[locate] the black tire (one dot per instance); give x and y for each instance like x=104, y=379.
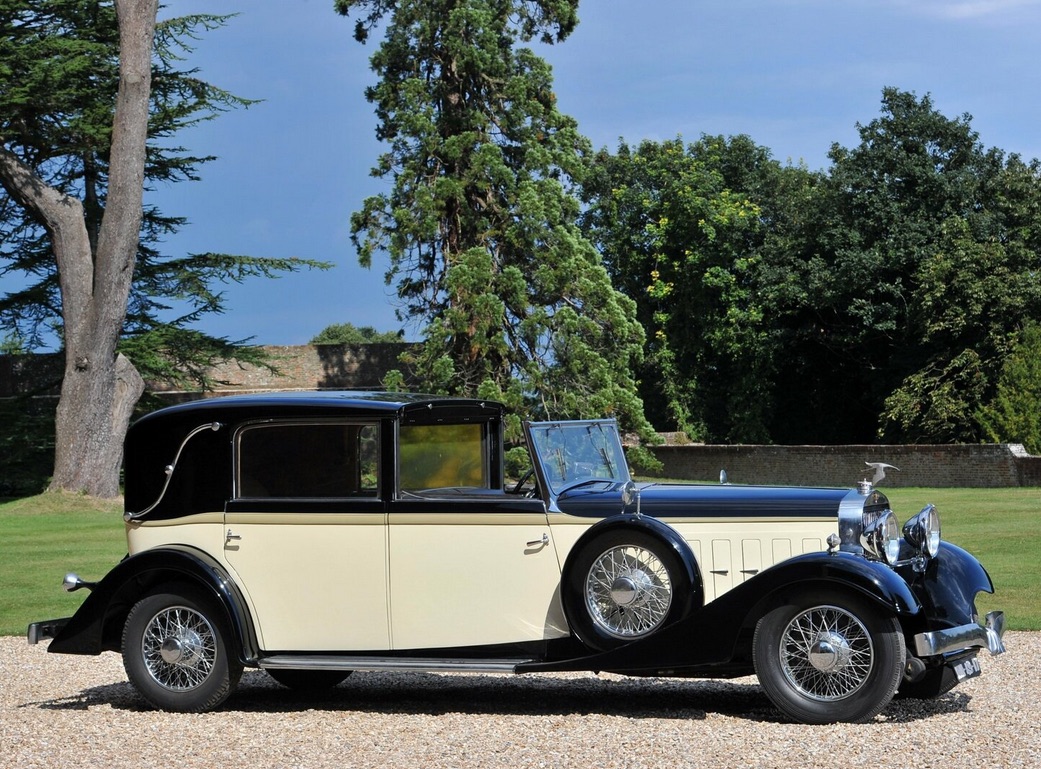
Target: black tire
x=828, y=657
x=308, y=680
x=176, y=651
x=624, y=586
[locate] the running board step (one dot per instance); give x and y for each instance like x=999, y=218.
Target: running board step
x=413, y=664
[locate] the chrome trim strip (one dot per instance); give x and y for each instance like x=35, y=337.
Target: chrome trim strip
x=413, y=664
x=129, y=516
x=965, y=637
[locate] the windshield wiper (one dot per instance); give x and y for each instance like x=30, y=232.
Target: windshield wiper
x=586, y=482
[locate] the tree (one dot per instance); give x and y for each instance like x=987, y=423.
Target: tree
x=480, y=226
x=100, y=387
x=920, y=264
x=682, y=228
x=85, y=113
x=348, y=333
x=1014, y=414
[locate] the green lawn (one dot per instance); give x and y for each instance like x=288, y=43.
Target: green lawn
x=43, y=537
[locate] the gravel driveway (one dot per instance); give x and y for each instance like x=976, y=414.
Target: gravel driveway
x=63, y=711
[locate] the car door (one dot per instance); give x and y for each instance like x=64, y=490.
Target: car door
x=306, y=537
x=470, y=565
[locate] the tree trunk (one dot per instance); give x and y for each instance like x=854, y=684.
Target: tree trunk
x=100, y=387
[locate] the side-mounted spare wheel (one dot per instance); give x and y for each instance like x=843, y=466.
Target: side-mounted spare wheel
x=623, y=585
x=177, y=650
x=826, y=657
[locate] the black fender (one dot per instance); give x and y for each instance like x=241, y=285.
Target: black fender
x=97, y=625
x=948, y=588
x=657, y=529
x=716, y=634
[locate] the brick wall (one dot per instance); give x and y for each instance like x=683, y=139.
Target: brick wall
x=299, y=367
x=305, y=367
x=362, y=367
x=960, y=465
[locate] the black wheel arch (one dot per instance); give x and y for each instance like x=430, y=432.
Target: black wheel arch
x=655, y=528
x=97, y=625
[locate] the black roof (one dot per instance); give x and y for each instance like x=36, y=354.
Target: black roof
x=315, y=403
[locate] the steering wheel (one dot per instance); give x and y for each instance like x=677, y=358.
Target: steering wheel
x=524, y=479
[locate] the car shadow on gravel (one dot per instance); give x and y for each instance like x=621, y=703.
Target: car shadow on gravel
x=433, y=694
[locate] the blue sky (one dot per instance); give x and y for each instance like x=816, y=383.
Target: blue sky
x=795, y=75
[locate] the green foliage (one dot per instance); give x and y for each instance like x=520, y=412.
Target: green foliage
x=935, y=404
x=26, y=446
x=480, y=225
x=931, y=266
x=1014, y=414
x=348, y=333
x=58, y=80
x=682, y=229
x=877, y=300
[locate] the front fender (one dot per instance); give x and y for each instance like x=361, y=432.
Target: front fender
x=948, y=588
x=97, y=625
x=718, y=633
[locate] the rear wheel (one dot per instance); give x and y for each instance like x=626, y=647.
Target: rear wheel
x=176, y=651
x=823, y=658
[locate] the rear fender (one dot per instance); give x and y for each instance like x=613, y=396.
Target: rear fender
x=97, y=625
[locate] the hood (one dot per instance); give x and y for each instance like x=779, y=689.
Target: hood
x=690, y=500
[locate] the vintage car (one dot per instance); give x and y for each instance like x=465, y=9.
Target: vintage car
x=315, y=534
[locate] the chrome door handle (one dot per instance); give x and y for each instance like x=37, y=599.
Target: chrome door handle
x=230, y=536
x=536, y=542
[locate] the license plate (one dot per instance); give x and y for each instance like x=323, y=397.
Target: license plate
x=969, y=668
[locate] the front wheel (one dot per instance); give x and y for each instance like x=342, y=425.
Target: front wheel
x=176, y=651
x=824, y=658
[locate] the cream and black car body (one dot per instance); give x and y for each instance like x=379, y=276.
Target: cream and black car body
x=315, y=534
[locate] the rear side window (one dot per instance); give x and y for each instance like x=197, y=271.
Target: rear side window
x=307, y=461
x=443, y=456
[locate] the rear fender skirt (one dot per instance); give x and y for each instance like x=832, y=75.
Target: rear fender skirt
x=654, y=527
x=709, y=636
x=97, y=625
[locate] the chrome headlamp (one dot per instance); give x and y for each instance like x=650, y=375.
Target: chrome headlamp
x=881, y=538
x=922, y=532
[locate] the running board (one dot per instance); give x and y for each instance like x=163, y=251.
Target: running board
x=413, y=664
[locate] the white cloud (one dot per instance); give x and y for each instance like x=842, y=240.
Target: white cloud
x=958, y=10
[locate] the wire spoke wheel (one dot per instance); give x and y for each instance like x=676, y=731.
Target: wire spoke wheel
x=628, y=592
x=179, y=648
x=828, y=656
x=826, y=653
x=178, y=651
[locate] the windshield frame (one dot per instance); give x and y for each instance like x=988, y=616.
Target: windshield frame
x=573, y=453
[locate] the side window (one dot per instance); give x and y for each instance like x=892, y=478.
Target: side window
x=307, y=460
x=442, y=456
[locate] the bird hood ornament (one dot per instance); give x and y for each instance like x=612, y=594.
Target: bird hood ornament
x=880, y=468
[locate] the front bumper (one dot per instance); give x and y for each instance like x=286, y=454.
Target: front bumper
x=965, y=637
